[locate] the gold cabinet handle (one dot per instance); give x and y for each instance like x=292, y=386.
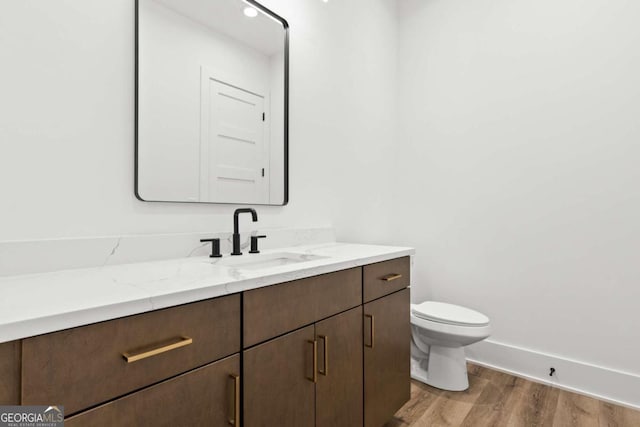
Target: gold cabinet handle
x=325, y=342
x=234, y=401
x=373, y=331
x=391, y=277
x=314, y=377
x=135, y=356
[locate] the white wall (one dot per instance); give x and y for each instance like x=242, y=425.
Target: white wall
x=520, y=168
x=66, y=121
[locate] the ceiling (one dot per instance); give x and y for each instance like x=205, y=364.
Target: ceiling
x=263, y=33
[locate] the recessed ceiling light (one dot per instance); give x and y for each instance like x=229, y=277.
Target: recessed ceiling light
x=251, y=12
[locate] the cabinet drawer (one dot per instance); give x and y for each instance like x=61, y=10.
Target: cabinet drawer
x=10, y=373
x=277, y=309
x=85, y=366
x=203, y=397
x=384, y=278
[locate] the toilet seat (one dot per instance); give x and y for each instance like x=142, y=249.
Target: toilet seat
x=449, y=314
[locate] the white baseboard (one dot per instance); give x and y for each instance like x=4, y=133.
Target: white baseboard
x=620, y=388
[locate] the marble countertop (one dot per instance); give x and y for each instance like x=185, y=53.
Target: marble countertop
x=40, y=303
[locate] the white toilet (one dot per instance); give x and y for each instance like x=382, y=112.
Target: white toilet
x=440, y=332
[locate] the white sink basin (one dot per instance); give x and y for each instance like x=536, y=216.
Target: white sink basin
x=269, y=260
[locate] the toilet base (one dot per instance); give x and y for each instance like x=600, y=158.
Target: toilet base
x=446, y=368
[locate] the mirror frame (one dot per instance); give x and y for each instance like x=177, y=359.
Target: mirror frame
x=285, y=26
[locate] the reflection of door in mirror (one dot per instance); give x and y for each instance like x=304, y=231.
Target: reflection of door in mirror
x=211, y=98
x=234, y=151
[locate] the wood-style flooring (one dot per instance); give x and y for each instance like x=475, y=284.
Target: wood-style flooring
x=498, y=399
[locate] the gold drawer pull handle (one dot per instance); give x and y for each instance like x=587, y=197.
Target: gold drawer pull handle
x=234, y=401
x=314, y=377
x=373, y=331
x=325, y=342
x=391, y=277
x=134, y=357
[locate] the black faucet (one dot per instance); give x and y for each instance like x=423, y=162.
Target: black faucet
x=236, y=231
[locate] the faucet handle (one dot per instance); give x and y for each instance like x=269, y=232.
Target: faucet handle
x=215, y=247
x=254, y=244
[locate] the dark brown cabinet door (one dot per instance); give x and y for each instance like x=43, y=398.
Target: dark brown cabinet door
x=339, y=387
x=10, y=373
x=278, y=381
x=387, y=340
x=203, y=397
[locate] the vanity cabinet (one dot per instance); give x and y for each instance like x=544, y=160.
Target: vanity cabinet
x=10, y=373
x=331, y=350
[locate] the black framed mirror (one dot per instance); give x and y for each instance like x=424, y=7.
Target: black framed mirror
x=212, y=101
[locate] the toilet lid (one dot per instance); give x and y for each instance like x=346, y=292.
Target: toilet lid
x=449, y=313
